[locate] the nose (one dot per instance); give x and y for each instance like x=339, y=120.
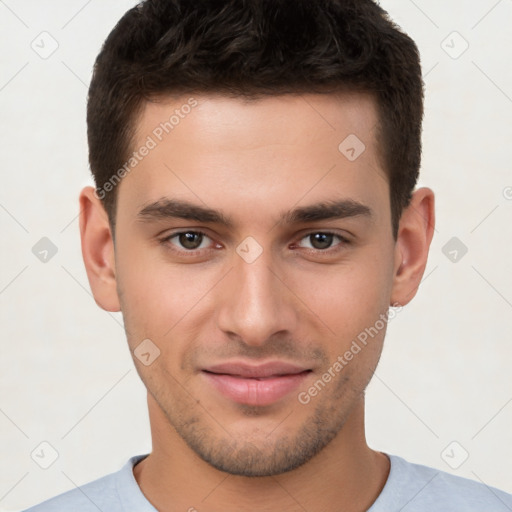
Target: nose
x=255, y=302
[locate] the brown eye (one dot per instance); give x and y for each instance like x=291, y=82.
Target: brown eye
x=187, y=241
x=321, y=240
x=190, y=239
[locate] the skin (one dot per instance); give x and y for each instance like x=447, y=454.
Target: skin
x=298, y=302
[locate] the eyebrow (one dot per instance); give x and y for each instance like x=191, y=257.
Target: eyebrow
x=179, y=209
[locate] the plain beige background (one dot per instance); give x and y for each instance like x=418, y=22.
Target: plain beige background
x=443, y=389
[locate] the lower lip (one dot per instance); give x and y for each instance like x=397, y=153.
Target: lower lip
x=253, y=391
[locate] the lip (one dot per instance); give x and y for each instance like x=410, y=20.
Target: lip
x=258, y=385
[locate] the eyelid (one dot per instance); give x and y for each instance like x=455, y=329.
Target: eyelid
x=167, y=240
x=344, y=240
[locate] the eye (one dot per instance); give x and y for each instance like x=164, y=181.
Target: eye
x=322, y=240
x=188, y=240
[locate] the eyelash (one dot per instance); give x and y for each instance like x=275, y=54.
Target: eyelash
x=195, y=252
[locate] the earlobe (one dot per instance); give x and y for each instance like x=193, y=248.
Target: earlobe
x=415, y=234
x=98, y=250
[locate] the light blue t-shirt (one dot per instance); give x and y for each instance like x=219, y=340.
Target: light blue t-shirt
x=409, y=488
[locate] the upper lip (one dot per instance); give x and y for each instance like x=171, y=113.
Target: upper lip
x=269, y=369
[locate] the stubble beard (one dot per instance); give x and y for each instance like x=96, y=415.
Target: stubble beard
x=270, y=454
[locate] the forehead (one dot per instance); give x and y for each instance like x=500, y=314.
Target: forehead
x=267, y=120
x=275, y=150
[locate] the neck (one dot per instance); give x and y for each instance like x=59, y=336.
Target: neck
x=346, y=475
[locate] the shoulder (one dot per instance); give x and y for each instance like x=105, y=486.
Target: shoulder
x=417, y=488
x=88, y=497
x=106, y=493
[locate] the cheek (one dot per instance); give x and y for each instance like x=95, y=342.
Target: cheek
x=142, y=287
x=162, y=302
x=348, y=296
x=149, y=286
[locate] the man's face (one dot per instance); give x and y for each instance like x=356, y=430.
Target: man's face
x=249, y=315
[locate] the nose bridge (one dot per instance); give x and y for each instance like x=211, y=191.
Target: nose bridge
x=255, y=304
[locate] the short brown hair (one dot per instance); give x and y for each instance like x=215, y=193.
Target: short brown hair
x=252, y=48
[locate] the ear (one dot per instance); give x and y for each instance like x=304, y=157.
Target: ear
x=415, y=233
x=98, y=250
